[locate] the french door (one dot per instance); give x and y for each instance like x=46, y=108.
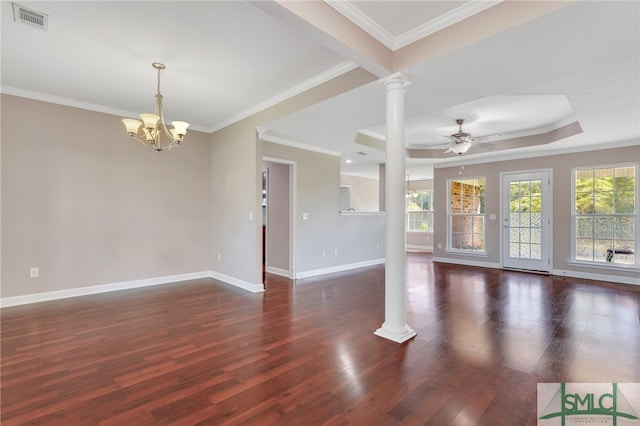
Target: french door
x=526, y=221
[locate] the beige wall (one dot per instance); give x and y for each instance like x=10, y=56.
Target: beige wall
x=561, y=166
x=317, y=181
x=364, y=192
x=236, y=180
x=236, y=183
x=89, y=206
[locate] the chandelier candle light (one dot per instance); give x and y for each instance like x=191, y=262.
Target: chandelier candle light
x=155, y=133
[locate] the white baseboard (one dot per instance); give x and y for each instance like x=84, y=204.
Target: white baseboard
x=278, y=271
x=596, y=277
x=103, y=288
x=246, y=285
x=125, y=285
x=339, y=268
x=467, y=262
x=413, y=247
x=555, y=272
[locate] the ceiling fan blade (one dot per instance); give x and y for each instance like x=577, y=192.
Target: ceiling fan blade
x=485, y=146
x=429, y=145
x=489, y=138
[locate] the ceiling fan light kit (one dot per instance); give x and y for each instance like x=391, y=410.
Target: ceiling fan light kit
x=155, y=133
x=459, y=148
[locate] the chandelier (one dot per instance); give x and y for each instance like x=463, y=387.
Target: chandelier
x=155, y=133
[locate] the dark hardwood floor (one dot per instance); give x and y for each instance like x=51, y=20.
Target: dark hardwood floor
x=202, y=352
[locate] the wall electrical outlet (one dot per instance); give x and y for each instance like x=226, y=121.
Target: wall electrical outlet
x=324, y=254
x=34, y=272
x=219, y=257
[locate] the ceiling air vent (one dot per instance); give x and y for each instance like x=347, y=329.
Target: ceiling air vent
x=30, y=17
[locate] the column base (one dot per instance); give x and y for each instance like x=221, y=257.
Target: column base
x=394, y=333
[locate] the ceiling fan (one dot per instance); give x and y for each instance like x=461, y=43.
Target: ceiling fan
x=462, y=141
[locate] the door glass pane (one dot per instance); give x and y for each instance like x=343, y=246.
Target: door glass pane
x=536, y=220
x=514, y=219
x=536, y=251
x=536, y=236
x=525, y=219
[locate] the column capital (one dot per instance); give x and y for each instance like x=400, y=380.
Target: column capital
x=395, y=79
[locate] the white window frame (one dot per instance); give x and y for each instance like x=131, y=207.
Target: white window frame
x=636, y=214
x=429, y=192
x=450, y=216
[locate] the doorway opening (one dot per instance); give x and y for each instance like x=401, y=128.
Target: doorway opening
x=278, y=251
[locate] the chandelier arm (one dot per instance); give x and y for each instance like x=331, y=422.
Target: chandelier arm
x=160, y=113
x=142, y=139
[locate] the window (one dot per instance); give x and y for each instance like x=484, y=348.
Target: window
x=466, y=213
x=604, y=214
x=420, y=212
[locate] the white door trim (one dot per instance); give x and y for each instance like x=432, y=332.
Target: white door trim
x=292, y=210
x=547, y=217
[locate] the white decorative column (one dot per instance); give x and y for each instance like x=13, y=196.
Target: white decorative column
x=395, y=320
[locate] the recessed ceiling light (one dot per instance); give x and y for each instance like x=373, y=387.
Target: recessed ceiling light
x=348, y=161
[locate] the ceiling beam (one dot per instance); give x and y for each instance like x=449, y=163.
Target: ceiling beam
x=323, y=23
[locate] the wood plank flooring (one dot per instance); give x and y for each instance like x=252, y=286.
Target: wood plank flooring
x=203, y=352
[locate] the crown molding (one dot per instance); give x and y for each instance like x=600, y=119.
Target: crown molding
x=296, y=90
x=63, y=101
x=452, y=17
x=373, y=134
x=37, y=96
x=534, y=154
x=458, y=14
x=270, y=137
x=287, y=94
x=355, y=15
